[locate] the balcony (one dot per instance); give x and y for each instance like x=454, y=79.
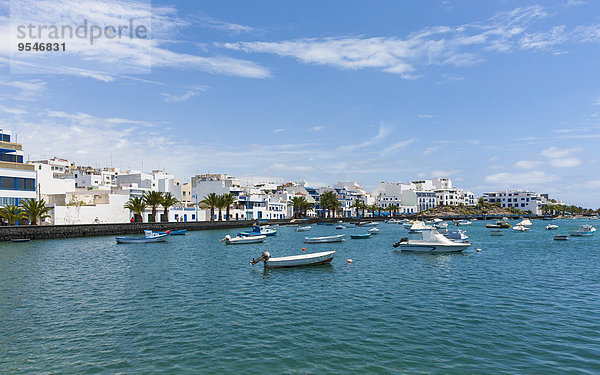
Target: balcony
x=11, y=146
x=16, y=166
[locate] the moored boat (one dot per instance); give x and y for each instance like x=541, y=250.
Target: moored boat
x=20, y=240
x=148, y=238
x=367, y=224
x=179, y=232
x=500, y=224
x=313, y=259
x=240, y=240
x=431, y=242
x=360, y=236
x=462, y=222
x=373, y=231
x=525, y=223
x=340, y=227
x=325, y=239
x=442, y=225
x=583, y=230
x=561, y=237
x=520, y=228
x=551, y=226
x=456, y=235
x=259, y=231
x=303, y=229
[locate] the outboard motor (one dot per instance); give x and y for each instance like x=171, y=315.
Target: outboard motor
x=227, y=237
x=265, y=256
x=402, y=240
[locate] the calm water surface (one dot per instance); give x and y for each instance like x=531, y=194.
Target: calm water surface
x=524, y=304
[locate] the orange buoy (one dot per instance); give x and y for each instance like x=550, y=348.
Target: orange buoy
x=168, y=232
x=303, y=249
x=349, y=261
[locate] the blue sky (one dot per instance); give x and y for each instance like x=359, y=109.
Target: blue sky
x=493, y=94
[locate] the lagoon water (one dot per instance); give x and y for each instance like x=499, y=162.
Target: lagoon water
x=524, y=304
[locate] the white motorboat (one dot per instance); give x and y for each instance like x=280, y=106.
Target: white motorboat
x=313, y=259
x=561, y=237
x=303, y=229
x=462, y=222
x=520, y=228
x=419, y=226
x=525, y=223
x=583, y=231
x=367, y=224
x=432, y=242
x=373, y=231
x=456, y=235
x=326, y=239
x=551, y=226
x=239, y=240
x=259, y=231
x=442, y=225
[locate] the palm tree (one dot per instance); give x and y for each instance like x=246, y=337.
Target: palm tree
x=220, y=205
x=228, y=200
x=335, y=206
x=153, y=199
x=12, y=213
x=137, y=205
x=35, y=210
x=168, y=201
x=328, y=200
x=211, y=200
x=393, y=210
x=299, y=204
x=357, y=205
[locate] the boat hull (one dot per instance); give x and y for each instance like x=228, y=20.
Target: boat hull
x=331, y=239
x=300, y=260
x=130, y=240
x=416, y=248
x=245, y=240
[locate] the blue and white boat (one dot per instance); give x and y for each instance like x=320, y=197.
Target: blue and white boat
x=360, y=236
x=583, y=231
x=431, y=242
x=148, y=238
x=259, y=231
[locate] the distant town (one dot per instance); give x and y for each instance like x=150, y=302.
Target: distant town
x=75, y=194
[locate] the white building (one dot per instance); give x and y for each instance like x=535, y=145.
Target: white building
x=54, y=176
x=88, y=207
x=17, y=180
x=523, y=200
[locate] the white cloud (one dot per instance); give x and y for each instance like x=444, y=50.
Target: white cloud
x=279, y=130
x=213, y=23
x=444, y=173
x=27, y=90
x=555, y=152
x=527, y=164
x=528, y=178
x=288, y=168
x=190, y=93
x=430, y=150
x=420, y=115
x=397, y=146
x=382, y=133
x=565, y=163
x=457, y=46
x=317, y=128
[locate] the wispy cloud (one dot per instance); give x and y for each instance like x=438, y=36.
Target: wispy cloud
x=443, y=173
x=188, y=94
x=529, y=178
x=382, y=133
x=26, y=90
x=205, y=20
x=457, y=46
x=317, y=128
x=555, y=152
x=279, y=130
x=431, y=149
x=398, y=146
x=527, y=164
x=565, y=163
x=424, y=115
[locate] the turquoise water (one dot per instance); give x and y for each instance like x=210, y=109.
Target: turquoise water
x=524, y=304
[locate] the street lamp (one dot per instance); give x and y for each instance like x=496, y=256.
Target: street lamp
x=196, y=196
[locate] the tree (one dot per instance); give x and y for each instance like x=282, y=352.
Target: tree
x=168, y=201
x=228, y=200
x=153, y=199
x=335, y=206
x=12, y=213
x=137, y=205
x=299, y=204
x=220, y=206
x=357, y=205
x=211, y=200
x=327, y=201
x=35, y=210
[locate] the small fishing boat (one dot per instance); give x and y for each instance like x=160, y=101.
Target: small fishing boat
x=326, y=239
x=456, y=235
x=360, y=236
x=148, y=238
x=240, y=240
x=367, y=224
x=520, y=228
x=497, y=232
x=525, y=223
x=20, y=240
x=313, y=259
x=373, y=231
x=561, y=237
x=259, y=231
x=179, y=232
x=462, y=222
x=593, y=217
x=551, y=226
x=392, y=221
x=303, y=229
x=583, y=231
x=340, y=227
x=500, y=224
x=431, y=242
x=441, y=225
